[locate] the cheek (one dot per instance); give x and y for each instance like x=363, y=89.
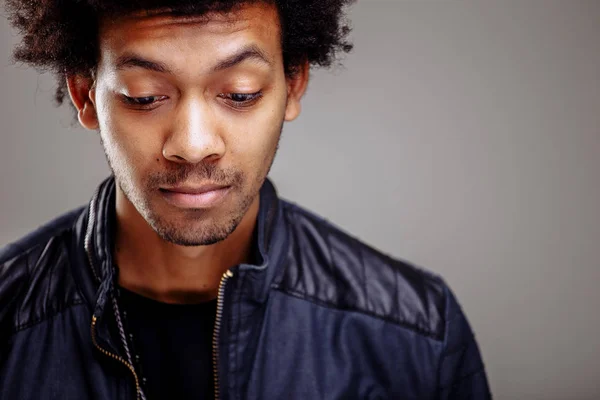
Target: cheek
x=255, y=134
x=252, y=141
x=129, y=134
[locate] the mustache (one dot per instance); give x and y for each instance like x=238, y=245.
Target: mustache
x=177, y=174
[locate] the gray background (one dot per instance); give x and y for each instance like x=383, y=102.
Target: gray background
x=462, y=136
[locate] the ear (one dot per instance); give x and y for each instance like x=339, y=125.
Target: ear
x=296, y=87
x=83, y=93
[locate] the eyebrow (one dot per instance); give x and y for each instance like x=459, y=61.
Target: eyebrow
x=250, y=52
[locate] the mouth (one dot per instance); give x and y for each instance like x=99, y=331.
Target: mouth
x=195, y=196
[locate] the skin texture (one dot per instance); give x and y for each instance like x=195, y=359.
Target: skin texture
x=197, y=120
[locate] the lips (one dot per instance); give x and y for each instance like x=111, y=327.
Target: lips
x=194, y=189
x=195, y=197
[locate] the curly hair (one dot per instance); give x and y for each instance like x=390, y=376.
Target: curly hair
x=61, y=36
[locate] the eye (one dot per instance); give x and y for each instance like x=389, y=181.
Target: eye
x=241, y=100
x=143, y=102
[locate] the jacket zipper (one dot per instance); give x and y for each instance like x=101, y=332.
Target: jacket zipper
x=87, y=243
x=116, y=357
x=217, y=330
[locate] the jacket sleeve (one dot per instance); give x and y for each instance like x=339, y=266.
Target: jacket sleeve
x=462, y=373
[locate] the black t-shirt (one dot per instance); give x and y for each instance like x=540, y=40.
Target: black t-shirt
x=171, y=346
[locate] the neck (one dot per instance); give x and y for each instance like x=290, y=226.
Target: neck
x=163, y=271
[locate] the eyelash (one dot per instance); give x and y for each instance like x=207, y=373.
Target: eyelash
x=149, y=102
x=143, y=103
x=249, y=99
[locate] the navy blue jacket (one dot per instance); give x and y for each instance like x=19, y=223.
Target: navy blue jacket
x=320, y=316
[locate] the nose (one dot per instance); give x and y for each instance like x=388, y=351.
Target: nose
x=195, y=136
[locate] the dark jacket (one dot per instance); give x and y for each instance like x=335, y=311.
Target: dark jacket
x=321, y=316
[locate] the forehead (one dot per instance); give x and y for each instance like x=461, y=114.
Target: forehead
x=203, y=37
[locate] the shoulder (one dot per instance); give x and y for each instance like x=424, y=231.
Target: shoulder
x=333, y=268
x=32, y=273
x=40, y=236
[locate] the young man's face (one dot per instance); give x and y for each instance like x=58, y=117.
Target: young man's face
x=190, y=113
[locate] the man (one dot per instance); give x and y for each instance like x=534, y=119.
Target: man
x=186, y=277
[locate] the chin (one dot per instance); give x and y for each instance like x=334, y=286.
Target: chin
x=194, y=237
x=199, y=230
x=192, y=241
